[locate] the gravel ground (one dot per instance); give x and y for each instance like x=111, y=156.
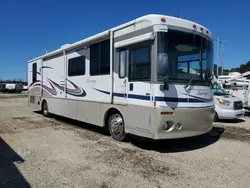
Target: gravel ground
x=57, y=152
x=13, y=95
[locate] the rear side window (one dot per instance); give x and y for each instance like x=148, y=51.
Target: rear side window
x=34, y=72
x=76, y=66
x=100, y=58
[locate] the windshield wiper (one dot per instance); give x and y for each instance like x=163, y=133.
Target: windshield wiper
x=190, y=81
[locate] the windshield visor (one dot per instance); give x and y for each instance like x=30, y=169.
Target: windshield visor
x=182, y=56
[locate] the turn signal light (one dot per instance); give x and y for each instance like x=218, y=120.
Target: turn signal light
x=167, y=113
x=163, y=19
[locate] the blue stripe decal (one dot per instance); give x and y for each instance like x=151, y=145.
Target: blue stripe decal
x=83, y=94
x=119, y=94
x=47, y=67
x=141, y=97
x=173, y=99
x=131, y=96
x=157, y=98
x=196, y=100
x=106, y=92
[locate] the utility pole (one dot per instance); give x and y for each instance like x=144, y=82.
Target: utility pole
x=217, y=56
x=178, y=12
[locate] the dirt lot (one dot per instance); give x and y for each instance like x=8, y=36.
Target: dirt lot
x=56, y=152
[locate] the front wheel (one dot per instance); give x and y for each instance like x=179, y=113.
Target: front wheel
x=45, y=109
x=216, y=117
x=117, y=127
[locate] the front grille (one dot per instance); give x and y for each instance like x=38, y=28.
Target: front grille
x=238, y=105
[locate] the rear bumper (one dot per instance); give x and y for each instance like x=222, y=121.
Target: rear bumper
x=230, y=114
x=194, y=121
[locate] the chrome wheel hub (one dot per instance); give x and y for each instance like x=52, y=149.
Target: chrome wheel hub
x=116, y=124
x=45, y=109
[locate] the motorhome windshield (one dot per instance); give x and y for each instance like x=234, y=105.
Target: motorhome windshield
x=182, y=56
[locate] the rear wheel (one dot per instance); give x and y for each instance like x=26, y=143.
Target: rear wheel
x=116, y=127
x=45, y=109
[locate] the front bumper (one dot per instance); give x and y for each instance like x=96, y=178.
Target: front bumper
x=230, y=114
x=194, y=121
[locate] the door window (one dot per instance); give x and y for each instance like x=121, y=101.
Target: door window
x=34, y=72
x=139, y=65
x=122, y=64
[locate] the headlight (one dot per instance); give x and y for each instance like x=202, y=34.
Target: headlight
x=224, y=102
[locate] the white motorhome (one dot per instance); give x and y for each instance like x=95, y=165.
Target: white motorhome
x=149, y=77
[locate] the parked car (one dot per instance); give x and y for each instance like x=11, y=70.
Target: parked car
x=227, y=106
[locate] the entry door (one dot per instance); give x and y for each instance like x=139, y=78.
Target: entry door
x=139, y=88
x=120, y=93
x=139, y=73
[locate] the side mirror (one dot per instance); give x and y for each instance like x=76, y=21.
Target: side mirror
x=164, y=86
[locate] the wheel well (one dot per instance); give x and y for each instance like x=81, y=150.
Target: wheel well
x=108, y=113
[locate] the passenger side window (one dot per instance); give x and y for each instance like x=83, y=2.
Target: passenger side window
x=76, y=66
x=139, y=65
x=34, y=72
x=122, y=64
x=100, y=58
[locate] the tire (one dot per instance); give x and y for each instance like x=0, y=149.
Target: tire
x=216, y=117
x=116, y=127
x=45, y=109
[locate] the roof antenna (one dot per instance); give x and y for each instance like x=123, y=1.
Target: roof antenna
x=178, y=12
x=46, y=50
